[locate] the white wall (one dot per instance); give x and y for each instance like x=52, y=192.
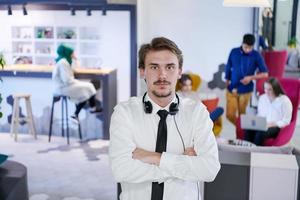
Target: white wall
x=205, y=30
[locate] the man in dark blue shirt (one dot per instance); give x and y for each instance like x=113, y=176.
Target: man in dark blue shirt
x=241, y=68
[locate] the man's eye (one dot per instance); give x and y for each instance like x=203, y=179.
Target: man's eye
x=170, y=67
x=153, y=67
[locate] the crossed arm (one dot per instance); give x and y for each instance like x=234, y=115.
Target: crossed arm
x=132, y=164
x=154, y=157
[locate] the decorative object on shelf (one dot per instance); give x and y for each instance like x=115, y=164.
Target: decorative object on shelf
x=69, y=34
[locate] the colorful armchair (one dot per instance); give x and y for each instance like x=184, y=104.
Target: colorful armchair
x=292, y=89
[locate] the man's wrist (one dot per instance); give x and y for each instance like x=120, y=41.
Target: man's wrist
x=156, y=158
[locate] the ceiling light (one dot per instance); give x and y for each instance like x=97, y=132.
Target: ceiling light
x=9, y=11
x=246, y=3
x=88, y=12
x=104, y=11
x=73, y=11
x=24, y=10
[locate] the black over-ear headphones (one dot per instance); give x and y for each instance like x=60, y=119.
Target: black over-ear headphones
x=172, y=110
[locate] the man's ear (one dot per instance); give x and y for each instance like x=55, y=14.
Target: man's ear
x=142, y=73
x=179, y=73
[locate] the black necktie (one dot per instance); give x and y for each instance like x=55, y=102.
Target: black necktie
x=161, y=146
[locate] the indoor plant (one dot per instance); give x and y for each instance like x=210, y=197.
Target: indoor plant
x=2, y=63
x=292, y=43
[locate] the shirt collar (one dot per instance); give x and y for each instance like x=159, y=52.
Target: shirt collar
x=156, y=107
x=243, y=53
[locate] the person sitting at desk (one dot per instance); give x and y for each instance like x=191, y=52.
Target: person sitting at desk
x=276, y=107
x=80, y=92
x=185, y=83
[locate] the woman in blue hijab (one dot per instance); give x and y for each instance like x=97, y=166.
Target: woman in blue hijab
x=80, y=92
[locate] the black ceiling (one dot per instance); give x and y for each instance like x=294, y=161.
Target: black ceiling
x=55, y=2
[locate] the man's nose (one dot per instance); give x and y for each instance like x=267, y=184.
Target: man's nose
x=162, y=72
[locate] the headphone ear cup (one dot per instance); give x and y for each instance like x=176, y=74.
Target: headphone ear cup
x=147, y=107
x=173, y=108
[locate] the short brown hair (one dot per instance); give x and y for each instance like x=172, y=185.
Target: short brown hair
x=157, y=44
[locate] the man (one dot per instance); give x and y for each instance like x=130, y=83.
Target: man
x=243, y=62
x=160, y=144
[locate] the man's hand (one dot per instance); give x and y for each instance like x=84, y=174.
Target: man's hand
x=227, y=83
x=146, y=156
x=190, y=152
x=246, y=80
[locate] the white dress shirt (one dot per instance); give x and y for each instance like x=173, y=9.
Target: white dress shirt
x=131, y=127
x=278, y=111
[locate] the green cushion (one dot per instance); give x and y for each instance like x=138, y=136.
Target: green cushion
x=2, y=158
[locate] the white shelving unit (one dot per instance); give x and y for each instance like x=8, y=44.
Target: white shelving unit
x=38, y=44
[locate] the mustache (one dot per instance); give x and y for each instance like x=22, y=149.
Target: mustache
x=162, y=82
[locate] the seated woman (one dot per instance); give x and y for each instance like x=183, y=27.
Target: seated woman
x=80, y=92
x=185, y=83
x=276, y=107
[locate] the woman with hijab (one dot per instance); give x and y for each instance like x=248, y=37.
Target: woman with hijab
x=80, y=92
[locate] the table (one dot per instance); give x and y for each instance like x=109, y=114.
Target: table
x=13, y=181
x=108, y=78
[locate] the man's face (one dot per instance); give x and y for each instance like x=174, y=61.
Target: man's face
x=187, y=86
x=247, y=48
x=161, y=73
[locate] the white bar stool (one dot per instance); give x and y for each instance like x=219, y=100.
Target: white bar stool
x=16, y=118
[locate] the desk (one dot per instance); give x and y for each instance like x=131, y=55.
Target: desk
x=13, y=181
x=108, y=78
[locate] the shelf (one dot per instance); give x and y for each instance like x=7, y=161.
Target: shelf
x=40, y=43
x=89, y=33
x=22, y=54
x=44, y=32
x=66, y=40
x=89, y=41
x=44, y=55
x=43, y=40
x=88, y=56
x=22, y=32
x=21, y=40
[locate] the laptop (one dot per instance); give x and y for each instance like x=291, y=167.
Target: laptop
x=253, y=122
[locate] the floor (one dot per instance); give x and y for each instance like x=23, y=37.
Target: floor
x=57, y=171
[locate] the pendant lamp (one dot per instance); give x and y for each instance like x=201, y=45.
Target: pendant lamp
x=246, y=3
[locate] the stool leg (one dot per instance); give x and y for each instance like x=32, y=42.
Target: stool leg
x=79, y=131
x=51, y=121
x=67, y=121
x=30, y=117
x=15, y=120
x=62, y=117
